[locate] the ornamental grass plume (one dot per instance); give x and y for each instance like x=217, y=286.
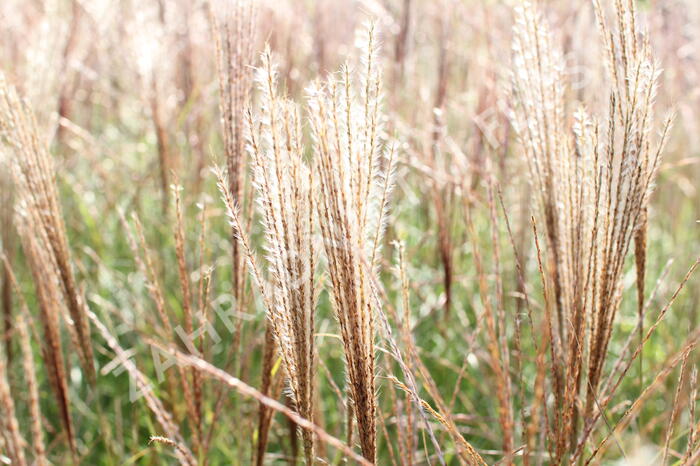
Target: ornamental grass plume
x=354, y=170
x=592, y=181
x=289, y=296
x=285, y=199
x=49, y=304
x=38, y=205
x=39, y=221
x=234, y=38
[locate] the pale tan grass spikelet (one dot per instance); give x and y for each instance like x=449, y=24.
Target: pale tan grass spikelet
x=285, y=198
x=592, y=183
x=346, y=122
x=166, y=441
x=675, y=407
x=193, y=395
x=35, y=181
x=146, y=265
x=465, y=450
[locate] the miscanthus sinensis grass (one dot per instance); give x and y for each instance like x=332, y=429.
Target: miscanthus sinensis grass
x=353, y=165
x=39, y=221
x=592, y=179
x=539, y=375
x=286, y=195
x=355, y=173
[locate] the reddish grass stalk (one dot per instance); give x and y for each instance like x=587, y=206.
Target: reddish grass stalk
x=245, y=389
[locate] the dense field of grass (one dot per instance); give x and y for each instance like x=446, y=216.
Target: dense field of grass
x=384, y=232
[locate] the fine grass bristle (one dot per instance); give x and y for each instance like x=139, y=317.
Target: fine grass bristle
x=192, y=388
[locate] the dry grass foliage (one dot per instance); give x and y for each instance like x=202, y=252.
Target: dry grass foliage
x=306, y=181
